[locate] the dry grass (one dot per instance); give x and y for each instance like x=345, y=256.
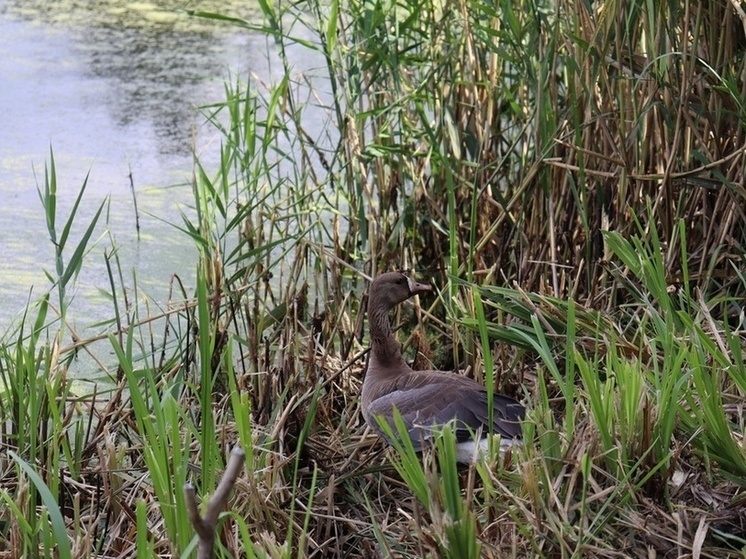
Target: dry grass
x=338, y=495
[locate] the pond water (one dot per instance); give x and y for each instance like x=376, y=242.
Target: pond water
x=112, y=87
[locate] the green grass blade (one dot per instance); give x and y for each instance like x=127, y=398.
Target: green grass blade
x=59, y=530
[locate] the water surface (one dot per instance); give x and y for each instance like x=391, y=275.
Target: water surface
x=113, y=88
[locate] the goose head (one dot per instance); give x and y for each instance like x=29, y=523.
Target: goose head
x=392, y=288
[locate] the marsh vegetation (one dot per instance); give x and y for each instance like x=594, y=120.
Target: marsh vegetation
x=570, y=177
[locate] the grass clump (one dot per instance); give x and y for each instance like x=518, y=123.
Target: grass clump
x=570, y=177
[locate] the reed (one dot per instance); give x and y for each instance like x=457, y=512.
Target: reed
x=570, y=177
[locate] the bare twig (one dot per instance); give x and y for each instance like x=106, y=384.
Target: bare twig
x=205, y=527
x=134, y=200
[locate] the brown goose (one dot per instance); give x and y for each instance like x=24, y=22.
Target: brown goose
x=426, y=399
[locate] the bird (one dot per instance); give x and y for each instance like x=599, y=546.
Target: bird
x=427, y=400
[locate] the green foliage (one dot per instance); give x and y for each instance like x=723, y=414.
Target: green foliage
x=437, y=487
x=65, y=272
x=51, y=515
x=165, y=445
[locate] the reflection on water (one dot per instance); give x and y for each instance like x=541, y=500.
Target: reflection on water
x=153, y=75
x=157, y=61
x=112, y=86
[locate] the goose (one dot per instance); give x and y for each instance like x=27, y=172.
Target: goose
x=427, y=400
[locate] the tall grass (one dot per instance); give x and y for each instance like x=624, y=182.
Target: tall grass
x=570, y=177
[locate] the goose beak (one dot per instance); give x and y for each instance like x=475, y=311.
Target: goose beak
x=415, y=288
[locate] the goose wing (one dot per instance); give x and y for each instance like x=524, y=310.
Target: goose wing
x=428, y=400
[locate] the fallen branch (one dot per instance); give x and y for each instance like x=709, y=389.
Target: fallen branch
x=205, y=527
